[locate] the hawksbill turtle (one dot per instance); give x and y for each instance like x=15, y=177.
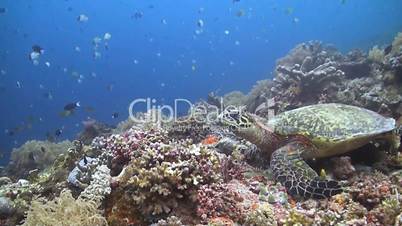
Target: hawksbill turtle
x=310, y=132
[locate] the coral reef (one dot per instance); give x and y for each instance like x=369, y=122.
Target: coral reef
x=197, y=172
x=64, y=211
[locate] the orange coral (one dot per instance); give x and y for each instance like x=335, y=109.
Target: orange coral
x=210, y=139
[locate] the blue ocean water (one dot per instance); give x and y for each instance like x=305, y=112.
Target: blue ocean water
x=164, y=53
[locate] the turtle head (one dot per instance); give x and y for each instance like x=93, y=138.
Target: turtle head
x=237, y=120
x=250, y=127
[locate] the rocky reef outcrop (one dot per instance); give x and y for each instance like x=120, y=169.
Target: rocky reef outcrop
x=313, y=72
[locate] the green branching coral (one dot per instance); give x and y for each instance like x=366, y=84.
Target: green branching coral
x=64, y=211
x=376, y=55
x=35, y=155
x=163, y=173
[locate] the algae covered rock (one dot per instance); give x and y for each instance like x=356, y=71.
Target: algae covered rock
x=35, y=155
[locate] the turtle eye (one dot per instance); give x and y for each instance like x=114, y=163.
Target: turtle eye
x=234, y=116
x=232, y=128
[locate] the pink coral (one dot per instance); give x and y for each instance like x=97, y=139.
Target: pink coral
x=122, y=146
x=229, y=200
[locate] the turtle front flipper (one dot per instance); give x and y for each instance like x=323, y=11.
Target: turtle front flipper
x=290, y=169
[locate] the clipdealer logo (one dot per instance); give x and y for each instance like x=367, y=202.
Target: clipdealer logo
x=203, y=113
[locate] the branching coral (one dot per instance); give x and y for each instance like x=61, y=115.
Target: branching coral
x=120, y=147
x=64, y=211
x=164, y=173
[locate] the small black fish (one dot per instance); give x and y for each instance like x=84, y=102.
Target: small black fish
x=58, y=132
x=10, y=132
x=18, y=84
x=387, y=50
x=72, y=106
x=137, y=15
x=43, y=149
x=85, y=160
x=115, y=115
x=110, y=87
x=38, y=49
